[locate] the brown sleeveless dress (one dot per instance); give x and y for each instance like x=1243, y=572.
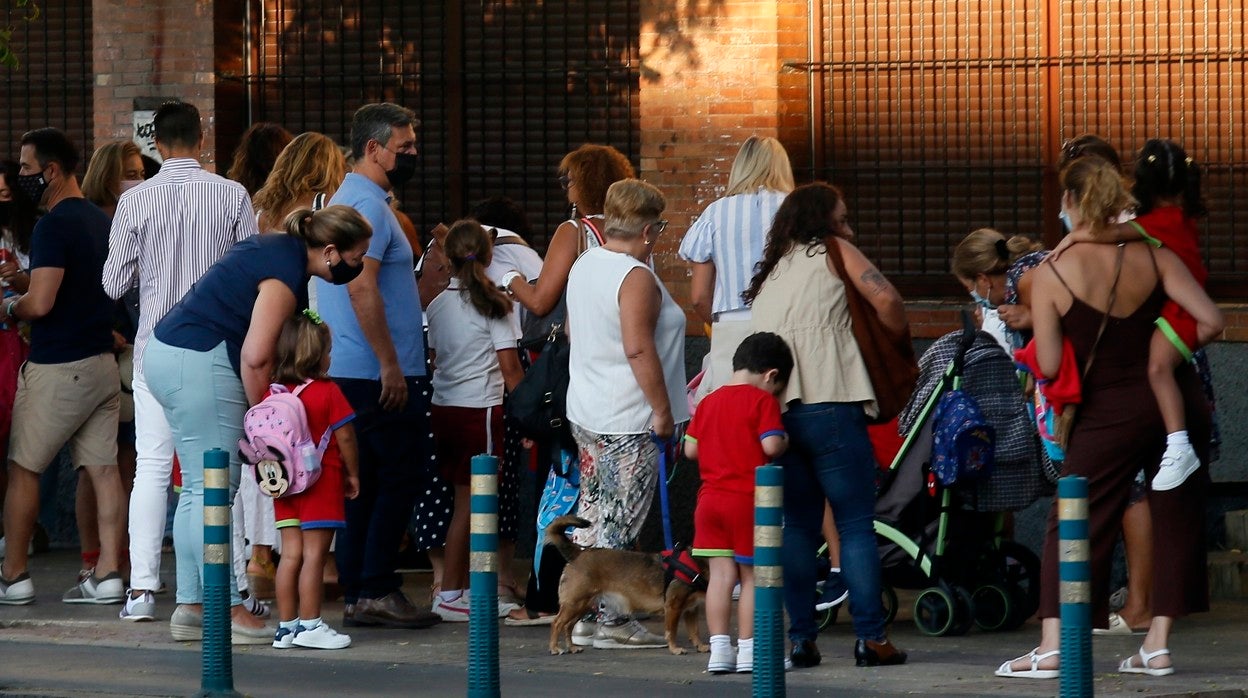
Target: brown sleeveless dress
x=1117, y=432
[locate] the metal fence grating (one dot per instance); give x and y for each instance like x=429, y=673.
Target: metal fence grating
x=503, y=89
x=942, y=116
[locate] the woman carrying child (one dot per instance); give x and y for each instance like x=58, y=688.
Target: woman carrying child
x=307, y=520
x=473, y=334
x=736, y=429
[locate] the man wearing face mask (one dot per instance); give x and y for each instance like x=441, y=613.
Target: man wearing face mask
x=69, y=390
x=378, y=360
x=166, y=233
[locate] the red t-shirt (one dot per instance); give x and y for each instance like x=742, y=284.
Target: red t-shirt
x=327, y=408
x=729, y=427
x=1168, y=225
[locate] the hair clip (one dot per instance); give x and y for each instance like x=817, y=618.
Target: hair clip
x=1152, y=158
x=314, y=316
x=1188, y=162
x=470, y=257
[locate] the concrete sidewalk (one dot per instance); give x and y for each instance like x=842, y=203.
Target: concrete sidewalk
x=55, y=649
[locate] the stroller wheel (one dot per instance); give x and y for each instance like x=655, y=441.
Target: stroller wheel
x=1017, y=568
x=994, y=606
x=827, y=618
x=934, y=611
x=889, y=596
x=964, y=611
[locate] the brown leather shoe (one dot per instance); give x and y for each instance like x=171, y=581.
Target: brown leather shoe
x=872, y=653
x=391, y=611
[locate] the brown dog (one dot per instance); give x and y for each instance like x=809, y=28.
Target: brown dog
x=634, y=580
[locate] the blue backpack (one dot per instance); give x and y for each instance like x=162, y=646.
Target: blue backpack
x=963, y=442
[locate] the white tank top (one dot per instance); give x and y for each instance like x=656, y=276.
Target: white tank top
x=603, y=394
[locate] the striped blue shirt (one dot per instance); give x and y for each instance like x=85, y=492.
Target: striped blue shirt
x=167, y=232
x=730, y=233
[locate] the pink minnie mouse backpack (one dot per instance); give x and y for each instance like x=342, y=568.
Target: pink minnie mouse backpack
x=277, y=446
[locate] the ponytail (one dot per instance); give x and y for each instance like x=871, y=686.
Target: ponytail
x=338, y=225
x=469, y=249
x=986, y=251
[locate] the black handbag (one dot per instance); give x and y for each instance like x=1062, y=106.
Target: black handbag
x=539, y=401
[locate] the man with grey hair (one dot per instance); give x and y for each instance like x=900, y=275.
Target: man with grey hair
x=378, y=359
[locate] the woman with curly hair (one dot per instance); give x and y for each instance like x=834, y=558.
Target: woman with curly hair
x=312, y=164
x=255, y=155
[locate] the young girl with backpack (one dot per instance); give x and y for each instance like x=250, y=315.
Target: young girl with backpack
x=473, y=335
x=307, y=520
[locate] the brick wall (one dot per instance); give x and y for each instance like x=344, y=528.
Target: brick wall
x=711, y=77
x=158, y=48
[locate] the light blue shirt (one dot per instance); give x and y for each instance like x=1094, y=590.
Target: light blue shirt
x=352, y=356
x=730, y=233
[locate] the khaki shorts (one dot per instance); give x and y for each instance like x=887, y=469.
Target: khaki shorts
x=75, y=402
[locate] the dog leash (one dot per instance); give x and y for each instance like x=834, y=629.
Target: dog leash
x=665, y=447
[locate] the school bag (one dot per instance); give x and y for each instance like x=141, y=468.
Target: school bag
x=277, y=446
x=963, y=442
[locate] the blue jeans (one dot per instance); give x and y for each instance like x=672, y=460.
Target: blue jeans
x=204, y=402
x=830, y=457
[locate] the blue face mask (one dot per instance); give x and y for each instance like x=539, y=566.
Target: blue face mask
x=1065, y=219
x=981, y=301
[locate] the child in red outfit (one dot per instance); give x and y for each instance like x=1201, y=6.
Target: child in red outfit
x=1167, y=187
x=736, y=429
x=307, y=521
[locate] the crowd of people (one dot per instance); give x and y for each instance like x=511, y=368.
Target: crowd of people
x=295, y=275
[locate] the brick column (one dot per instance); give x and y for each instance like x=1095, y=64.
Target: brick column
x=712, y=76
x=158, y=48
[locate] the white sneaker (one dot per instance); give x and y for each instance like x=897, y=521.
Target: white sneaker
x=284, y=638
x=138, y=609
x=631, y=635
x=97, y=591
x=745, y=660
x=506, y=607
x=583, y=633
x=723, y=660
x=17, y=592
x=453, y=611
x=1176, y=465
x=322, y=637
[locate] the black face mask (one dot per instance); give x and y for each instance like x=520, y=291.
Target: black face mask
x=342, y=273
x=404, y=168
x=33, y=186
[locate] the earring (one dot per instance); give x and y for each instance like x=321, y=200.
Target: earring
x=645, y=241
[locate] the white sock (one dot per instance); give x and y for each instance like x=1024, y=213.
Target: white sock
x=834, y=569
x=720, y=641
x=310, y=623
x=745, y=644
x=289, y=624
x=451, y=595
x=1178, y=438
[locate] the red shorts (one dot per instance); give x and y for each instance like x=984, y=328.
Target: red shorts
x=723, y=526
x=321, y=506
x=460, y=433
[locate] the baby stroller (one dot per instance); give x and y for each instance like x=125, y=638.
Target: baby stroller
x=948, y=541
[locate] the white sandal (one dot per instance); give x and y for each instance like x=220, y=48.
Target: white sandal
x=1126, y=667
x=1035, y=672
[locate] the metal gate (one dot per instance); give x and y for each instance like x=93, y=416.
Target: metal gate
x=503, y=89
x=941, y=116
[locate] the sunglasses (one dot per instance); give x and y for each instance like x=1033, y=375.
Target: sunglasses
x=564, y=181
x=659, y=226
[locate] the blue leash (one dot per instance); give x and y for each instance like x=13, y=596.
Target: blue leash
x=665, y=447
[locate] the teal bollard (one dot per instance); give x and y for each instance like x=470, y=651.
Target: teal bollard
x=483, y=579
x=768, y=582
x=217, y=669
x=1075, y=572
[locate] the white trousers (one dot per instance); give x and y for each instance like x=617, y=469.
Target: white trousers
x=149, y=499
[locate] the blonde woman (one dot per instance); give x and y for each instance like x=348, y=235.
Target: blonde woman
x=312, y=164
x=725, y=244
x=991, y=268
x=114, y=168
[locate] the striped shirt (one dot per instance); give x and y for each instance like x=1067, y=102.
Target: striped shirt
x=167, y=232
x=730, y=234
